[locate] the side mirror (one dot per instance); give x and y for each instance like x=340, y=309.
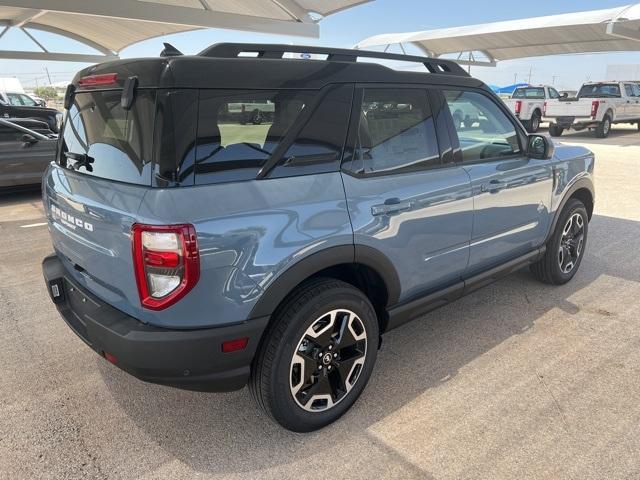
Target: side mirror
x=564, y=95
x=28, y=140
x=540, y=148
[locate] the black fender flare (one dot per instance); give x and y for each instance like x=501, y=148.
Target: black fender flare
x=582, y=183
x=284, y=283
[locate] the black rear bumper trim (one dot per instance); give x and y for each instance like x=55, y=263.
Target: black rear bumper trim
x=189, y=359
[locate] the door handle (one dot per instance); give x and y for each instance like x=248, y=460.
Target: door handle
x=390, y=205
x=494, y=186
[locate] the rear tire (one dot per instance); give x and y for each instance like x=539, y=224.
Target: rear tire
x=566, y=246
x=534, y=124
x=317, y=355
x=555, y=130
x=604, y=127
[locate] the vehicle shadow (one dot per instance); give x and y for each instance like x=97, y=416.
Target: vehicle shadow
x=226, y=433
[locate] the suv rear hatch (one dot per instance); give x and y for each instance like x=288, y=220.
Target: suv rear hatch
x=93, y=193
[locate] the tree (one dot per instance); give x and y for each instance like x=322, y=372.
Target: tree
x=47, y=93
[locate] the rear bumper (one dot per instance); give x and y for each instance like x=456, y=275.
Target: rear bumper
x=190, y=359
x=577, y=123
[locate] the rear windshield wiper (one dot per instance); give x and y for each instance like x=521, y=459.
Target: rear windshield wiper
x=81, y=159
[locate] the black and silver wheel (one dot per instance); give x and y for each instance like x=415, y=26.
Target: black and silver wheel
x=566, y=247
x=317, y=356
x=257, y=117
x=604, y=127
x=328, y=360
x=571, y=243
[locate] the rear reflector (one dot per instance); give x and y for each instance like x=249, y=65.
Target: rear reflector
x=235, y=345
x=110, y=358
x=166, y=263
x=594, y=108
x=98, y=80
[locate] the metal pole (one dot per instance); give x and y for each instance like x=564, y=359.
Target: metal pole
x=48, y=76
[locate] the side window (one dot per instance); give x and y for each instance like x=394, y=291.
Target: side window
x=8, y=134
x=14, y=99
x=318, y=146
x=27, y=101
x=396, y=132
x=636, y=90
x=239, y=130
x=553, y=93
x=484, y=130
x=629, y=90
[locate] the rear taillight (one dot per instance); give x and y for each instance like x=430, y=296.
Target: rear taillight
x=166, y=262
x=544, y=109
x=594, y=108
x=518, y=107
x=98, y=80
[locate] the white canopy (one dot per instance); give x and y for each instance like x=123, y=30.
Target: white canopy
x=108, y=26
x=615, y=29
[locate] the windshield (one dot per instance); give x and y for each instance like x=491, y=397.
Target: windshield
x=599, y=90
x=531, y=92
x=102, y=139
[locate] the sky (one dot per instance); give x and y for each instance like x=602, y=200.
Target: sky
x=346, y=28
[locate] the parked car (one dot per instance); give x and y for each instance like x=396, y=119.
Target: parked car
x=528, y=104
x=25, y=153
x=34, y=125
x=597, y=106
x=210, y=255
x=20, y=98
x=51, y=116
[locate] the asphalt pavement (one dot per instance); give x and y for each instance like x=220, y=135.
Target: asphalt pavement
x=518, y=380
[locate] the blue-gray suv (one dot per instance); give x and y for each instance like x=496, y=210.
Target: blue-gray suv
x=240, y=217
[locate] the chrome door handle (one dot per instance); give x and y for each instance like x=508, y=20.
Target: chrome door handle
x=391, y=205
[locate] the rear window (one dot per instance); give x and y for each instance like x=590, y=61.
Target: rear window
x=102, y=139
x=533, y=92
x=599, y=90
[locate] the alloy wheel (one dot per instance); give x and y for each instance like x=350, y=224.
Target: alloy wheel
x=328, y=359
x=571, y=243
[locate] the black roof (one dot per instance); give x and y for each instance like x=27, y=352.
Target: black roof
x=220, y=66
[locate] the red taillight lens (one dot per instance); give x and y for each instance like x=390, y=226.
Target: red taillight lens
x=98, y=80
x=544, y=109
x=518, y=107
x=166, y=262
x=594, y=108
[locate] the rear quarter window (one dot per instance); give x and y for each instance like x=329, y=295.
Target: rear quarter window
x=239, y=131
x=102, y=139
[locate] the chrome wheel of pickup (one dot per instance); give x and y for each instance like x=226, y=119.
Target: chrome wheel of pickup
x=327, y=361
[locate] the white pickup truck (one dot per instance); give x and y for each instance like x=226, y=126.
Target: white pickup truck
x=527, y=103
x=597, y=106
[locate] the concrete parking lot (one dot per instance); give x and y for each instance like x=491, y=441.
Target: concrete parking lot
x=518, y=380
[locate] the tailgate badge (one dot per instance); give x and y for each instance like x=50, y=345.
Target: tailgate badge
x=69, y=220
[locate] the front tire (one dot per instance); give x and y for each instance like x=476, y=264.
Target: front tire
x=317, y=356
x=566, y=247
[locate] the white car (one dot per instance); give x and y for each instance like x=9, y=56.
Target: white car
x=527, y=103
x=597, y=106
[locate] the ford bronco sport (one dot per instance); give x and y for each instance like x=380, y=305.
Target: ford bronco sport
x=198, y=250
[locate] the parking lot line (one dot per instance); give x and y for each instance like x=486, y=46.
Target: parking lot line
x=31, y=225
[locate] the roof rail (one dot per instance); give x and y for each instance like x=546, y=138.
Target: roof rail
x=277, y=51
